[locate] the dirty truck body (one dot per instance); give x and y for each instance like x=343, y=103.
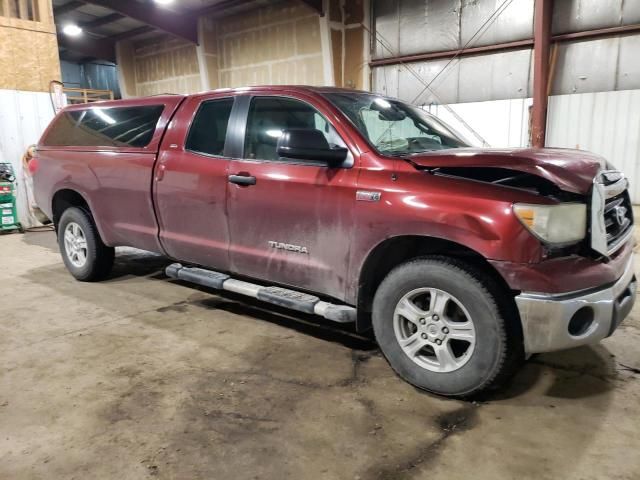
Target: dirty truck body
x=357, y=208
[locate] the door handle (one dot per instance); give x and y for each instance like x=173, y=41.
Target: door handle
x=242, y=179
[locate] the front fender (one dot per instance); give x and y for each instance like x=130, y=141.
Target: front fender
x=474, y=215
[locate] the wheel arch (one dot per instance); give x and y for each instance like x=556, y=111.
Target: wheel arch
x=394, y=251
x=64, y=199
x=67, y=197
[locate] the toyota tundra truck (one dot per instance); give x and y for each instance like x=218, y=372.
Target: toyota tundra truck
x=357, y=208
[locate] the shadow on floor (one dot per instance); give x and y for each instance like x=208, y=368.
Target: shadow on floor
x=578, y=373
x=42, y=238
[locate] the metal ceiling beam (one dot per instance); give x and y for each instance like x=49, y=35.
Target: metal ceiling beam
x=67, y=7
x=543, y=12
x=315, y=5
x=130, y=33
x=219, y=7
x=101, y=49
x=100, y=21
x=227, y=4
x=180, y=25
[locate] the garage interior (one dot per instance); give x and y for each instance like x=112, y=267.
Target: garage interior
x=141, y=376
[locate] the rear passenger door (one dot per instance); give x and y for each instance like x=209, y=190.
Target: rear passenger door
x=191, y=183
x=293, y=224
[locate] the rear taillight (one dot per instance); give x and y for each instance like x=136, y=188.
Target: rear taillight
x=33, y=165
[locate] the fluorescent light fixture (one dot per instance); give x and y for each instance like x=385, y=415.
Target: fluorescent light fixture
x=72, y=30
x=103, y=116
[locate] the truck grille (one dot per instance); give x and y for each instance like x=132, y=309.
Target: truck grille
x=611, y=213
x=618, y=218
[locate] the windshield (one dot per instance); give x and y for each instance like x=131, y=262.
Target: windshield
x=394, y=127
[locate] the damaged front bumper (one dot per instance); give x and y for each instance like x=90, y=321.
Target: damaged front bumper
x=560, y=321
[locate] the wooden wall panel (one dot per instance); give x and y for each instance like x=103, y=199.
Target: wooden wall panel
x=336, y=47
x=162, y=64
x=29, y=51
x=354, y=60
x=285, y=42
x=271, y=45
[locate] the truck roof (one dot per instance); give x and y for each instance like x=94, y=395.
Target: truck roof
x=155, y=99
x=281, y=88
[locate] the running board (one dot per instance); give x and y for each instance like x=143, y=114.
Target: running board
x=302, y=302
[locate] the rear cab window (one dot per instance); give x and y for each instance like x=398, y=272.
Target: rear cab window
x=105, y=127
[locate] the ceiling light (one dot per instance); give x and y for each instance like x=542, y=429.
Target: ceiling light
x=163, y=2
x=72, y=30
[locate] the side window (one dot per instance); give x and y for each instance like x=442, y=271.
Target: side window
x=105, y=127
x=209, y=128
x=269, y=116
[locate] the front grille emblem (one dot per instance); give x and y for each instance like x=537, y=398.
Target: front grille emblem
x=620, y=214
x=611, y=176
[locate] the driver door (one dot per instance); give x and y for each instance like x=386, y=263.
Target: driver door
x=292, y=223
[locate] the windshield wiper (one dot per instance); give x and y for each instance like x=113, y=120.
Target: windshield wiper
x=402, y=156
x=395, y=153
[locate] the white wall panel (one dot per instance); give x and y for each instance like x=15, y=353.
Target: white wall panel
x=576, y=15
x=606, y=123
x=422, y=26
x=23, y=118
x=416, y=26
x=501, y=123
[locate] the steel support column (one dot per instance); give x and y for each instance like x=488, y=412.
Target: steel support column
x=541, y=48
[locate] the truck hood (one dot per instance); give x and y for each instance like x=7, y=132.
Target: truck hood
x=569, y=170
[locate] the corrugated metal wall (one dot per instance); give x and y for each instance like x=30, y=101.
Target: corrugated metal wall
x=606, y=123
x=595, y=103
x=509, y=125
x=23, y=118
x=420, y=26
x=94, y=75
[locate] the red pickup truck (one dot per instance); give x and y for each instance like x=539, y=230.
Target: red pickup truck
x=355, y=207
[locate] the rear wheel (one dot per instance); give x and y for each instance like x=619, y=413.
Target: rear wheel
x=84, y=254
x=438, y=324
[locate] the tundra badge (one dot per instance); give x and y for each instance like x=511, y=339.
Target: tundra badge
x=288, y=246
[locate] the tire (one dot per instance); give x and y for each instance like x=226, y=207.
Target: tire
x=458, y=342
x=84, y=254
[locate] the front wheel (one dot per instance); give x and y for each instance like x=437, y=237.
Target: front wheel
x=438, y=324
x=84, y=254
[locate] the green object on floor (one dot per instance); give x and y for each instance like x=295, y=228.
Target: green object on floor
x=8, y=212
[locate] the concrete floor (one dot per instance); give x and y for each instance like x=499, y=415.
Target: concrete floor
x=140, y=377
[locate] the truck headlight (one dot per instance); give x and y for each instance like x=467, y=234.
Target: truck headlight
x=554, y=224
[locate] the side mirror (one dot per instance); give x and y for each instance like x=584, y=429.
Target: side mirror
x=309, y=144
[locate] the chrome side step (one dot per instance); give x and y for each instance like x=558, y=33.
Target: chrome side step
x=302, y=302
